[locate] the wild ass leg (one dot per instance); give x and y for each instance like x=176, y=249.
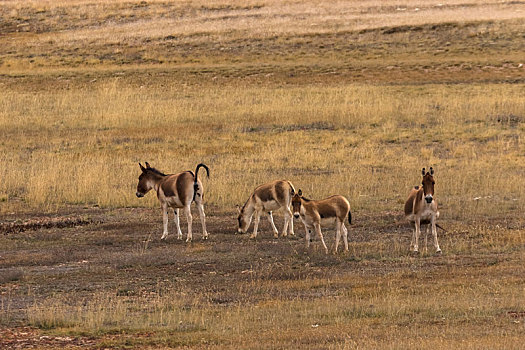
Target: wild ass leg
x=275, y=231
x=202, y=215
x=434, y=233
x=256, y=223
x=308, y=236
x=187, y=212
x=417, y=233
x=426, y=238
x=177, y=222
x=288, y=222
x=164, y=220
x=413, y=240
x=345, y=236
x=337, y=235
x=320, y=234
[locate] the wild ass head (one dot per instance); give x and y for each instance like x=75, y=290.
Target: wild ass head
x=428, y=185
x=296, y=203
x=147, y=179
x=244, y=219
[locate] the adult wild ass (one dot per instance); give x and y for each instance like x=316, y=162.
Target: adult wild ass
x=421, y=209
x=175, y=191
x=314, y=213
x=268, y=197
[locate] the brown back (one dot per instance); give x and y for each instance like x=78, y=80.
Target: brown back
x=415, y=196
x=177, y=184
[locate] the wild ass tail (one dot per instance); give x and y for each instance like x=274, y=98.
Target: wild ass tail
x=437, y=225
x=292, y=189
x=350, y=217
x=195, y=184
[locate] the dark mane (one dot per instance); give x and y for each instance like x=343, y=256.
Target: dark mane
x=244, y=206
x=155, y=171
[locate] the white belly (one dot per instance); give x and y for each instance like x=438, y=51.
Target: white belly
x=328, y=221
x=271, y=205
x=174, y=202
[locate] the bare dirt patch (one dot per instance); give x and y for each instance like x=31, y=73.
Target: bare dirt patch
x=122, y=255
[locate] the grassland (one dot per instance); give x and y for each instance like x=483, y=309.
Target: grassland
x=349, y=97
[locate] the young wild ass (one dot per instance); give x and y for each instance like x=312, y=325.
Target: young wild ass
x=268, y=197
x=314, y=213
x=175, y=191
x=421, y=209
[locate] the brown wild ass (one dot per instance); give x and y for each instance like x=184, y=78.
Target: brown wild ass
x=314, y=213
x=175, y=191
x=268, y=197
x=421, y=209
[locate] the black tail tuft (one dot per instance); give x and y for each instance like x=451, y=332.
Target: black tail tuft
x=350, y=217
x=201, y=165
x=195, y=184
x=439, y=226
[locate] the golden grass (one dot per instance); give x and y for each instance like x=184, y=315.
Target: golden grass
x=349, y=97
x=388, y=311
x=366, y=142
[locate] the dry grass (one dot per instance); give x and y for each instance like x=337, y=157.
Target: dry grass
x=112, y=285
x=377, y=139
x=349, y=97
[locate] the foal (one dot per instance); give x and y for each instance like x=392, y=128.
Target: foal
x=421, y=209
x=313, y=213
x=268, y=197
x=175, y=191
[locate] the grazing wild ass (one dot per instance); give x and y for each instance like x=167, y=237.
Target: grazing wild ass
x=175, y=191
x=268, y=197
x=314, y=213
x=421, y=209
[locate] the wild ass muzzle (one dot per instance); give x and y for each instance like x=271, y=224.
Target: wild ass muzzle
x=175, y=191
x=421, y=209
x=317, y=213
x=267, y=198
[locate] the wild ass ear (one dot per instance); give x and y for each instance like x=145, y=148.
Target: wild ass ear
x=422, y=171
x=300, y=193
x=147, y=165
x=142, y=168
x=431, y=171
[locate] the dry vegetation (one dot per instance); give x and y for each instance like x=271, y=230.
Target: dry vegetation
x=349, y=97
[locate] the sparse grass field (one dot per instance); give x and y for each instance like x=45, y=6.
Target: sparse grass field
x=348, y=97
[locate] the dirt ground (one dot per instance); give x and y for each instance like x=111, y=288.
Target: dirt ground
x=83, y=251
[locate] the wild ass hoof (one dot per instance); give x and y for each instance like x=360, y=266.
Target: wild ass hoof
x=252, y=236
x=188, y=239
x=438, y=252
x=205, y=238
x=164, y=236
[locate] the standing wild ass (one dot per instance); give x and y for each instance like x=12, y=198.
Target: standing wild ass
x=314, y=213
x=175, y=191
x=268, y=197
x=421, y=209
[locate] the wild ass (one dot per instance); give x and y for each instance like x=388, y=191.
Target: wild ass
x=175, y=191
x=421, y=209
x=268, y=197
x=314, y=213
